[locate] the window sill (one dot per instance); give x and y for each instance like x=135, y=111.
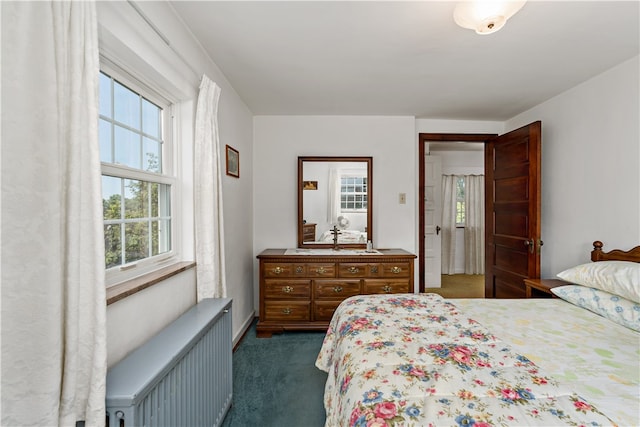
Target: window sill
x=129, y=287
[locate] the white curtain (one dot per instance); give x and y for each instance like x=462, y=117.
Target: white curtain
x=474, y=224
x=53, y=295
x=209, y=221
x=333, y=194
x=448, y=223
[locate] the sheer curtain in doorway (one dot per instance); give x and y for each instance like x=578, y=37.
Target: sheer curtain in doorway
x=449, y=199
x=471, y=216
x=474, y=224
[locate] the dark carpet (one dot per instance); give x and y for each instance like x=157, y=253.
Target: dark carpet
x=276, y=382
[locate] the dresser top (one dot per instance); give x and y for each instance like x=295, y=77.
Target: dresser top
x=348, y=254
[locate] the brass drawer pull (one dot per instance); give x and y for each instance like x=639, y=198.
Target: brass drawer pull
x=396, y=270
x=286, y=310
x=353, y=270
x=287, y=289
x=337, y=289
x=278, y=270
x=387, y=289
x=321, y=270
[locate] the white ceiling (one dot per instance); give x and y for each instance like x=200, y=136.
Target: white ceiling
x=407, y=58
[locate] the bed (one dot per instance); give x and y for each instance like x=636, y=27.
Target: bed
x=345, y=236
x=421, y=360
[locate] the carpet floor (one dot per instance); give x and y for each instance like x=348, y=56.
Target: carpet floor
x=460, y=286
x=276, y=382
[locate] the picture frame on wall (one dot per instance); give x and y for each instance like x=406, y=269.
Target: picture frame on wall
x=310, y=185
x=233, y=162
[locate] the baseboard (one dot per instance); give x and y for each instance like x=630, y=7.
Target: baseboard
x=243, y=330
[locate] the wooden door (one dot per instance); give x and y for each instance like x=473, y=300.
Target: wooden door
x=432, y=221
x=512, y=203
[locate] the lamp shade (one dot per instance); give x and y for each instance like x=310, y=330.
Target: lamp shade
x=485, y=17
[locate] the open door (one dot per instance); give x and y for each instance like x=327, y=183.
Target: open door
x=432, y=218
x=512, y=203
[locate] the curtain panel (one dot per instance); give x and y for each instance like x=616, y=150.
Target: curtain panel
x=474, y=224
x=448, y=223
x=209, y=221
x=53, y=293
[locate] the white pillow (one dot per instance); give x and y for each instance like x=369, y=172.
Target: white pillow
x=613, y=307
x=617, y=277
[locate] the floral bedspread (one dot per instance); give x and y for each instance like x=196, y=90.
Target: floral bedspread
x=417, y=360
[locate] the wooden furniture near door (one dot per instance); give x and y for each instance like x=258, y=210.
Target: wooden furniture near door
x=541, y=288
x=301, y=292
x=308, y=232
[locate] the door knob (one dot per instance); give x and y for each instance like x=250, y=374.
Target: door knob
x=530, y=244
x=438, y=229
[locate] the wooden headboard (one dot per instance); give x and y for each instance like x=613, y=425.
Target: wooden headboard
x=597, y=254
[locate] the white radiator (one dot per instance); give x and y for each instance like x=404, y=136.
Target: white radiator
x=180, y=377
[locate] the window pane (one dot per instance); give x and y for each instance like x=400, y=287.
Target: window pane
x=164, y=200
x=136, y=199
x=151, y=155
x=111, y=198
x=104, y=132
x=150, y=119
x=164, y=234
x=112, y=245
x=105, y=95
x=136, y=238
x=153, y=188
x=127, y=148
x=126, y=106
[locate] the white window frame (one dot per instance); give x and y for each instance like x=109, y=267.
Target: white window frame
x=353, y=174
x=460, y=202
x=117, y=274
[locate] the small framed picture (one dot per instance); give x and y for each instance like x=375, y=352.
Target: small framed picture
x=310, y=185
x=233, y=162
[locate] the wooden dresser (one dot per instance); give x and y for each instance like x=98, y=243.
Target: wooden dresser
x=308, y=232
x=301, y=292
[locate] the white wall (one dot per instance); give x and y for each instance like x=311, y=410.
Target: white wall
x=126, y=36
x=590, y=167
x=279, y=140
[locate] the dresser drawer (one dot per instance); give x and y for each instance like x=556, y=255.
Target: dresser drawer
x=284, y=269
x=361, y=269
x=335, y=289
x=323, y=310
x=325, y=269
x=386, y=286
x=284, y=289
x=394, y=269
x=286, y=310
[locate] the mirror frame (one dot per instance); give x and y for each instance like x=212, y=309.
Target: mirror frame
x=369, y=162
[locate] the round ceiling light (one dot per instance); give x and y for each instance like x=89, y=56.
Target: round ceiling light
x=485, y=17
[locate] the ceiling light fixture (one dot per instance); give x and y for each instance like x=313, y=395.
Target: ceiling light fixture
x=485, y=16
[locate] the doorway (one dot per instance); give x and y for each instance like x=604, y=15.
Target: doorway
x=512, y=165
x=427, y=235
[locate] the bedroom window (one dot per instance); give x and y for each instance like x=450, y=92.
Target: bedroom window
x=460, y=208
x=353, y=193
x=136, y=180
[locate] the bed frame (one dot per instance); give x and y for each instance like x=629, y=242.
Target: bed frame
x=597, y=253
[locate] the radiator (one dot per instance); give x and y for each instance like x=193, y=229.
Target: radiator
x=180, y=377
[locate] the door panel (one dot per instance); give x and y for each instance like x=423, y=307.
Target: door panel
x=432, y=220
x=512, y=171
x=423, y=142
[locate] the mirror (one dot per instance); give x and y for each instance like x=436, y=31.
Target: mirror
x=334, y=191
